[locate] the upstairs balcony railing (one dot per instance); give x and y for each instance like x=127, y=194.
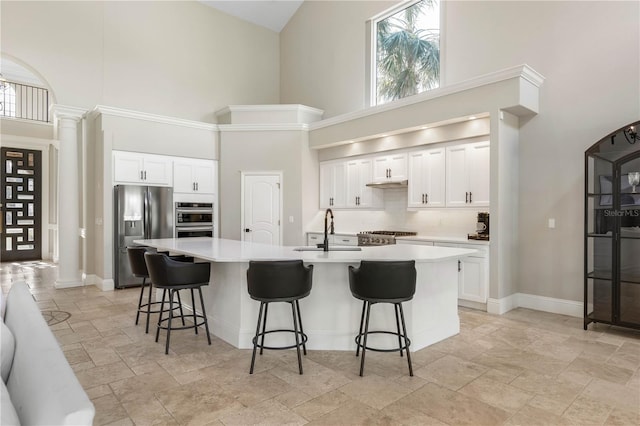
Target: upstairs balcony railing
x=24, y=102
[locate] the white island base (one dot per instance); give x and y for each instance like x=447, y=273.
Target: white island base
x=330, y=314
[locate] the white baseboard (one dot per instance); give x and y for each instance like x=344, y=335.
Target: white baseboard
x=104, y=285
x=539, y=303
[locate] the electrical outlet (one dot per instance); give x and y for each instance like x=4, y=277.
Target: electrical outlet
x=552, y=223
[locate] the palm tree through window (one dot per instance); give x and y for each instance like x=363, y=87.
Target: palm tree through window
x=407, y=51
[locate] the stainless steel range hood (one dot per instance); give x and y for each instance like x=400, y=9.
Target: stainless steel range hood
x=389, y=184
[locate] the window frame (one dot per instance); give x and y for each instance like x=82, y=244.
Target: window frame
x=371, y=89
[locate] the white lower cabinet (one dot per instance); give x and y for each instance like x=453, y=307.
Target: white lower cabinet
x=314, y=238
x=473, y=273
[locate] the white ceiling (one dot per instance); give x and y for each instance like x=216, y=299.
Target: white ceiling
x=272, y=14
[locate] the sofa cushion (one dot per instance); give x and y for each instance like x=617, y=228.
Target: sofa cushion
x=8, y=415
x=7, y=348
x=43, y=387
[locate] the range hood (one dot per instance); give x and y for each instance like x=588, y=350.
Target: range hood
x=386, y=184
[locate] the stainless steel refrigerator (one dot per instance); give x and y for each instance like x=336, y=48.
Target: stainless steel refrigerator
x=140, y=212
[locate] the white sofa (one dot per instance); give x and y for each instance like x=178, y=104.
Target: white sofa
x=38, y=385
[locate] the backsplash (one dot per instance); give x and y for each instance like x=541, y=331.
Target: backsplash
x=396, y=217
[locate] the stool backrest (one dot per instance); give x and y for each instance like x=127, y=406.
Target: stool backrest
x=136, y=260
x=168, y=272
x=383, y=280
x=279, y=280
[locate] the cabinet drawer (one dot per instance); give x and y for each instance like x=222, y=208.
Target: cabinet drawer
x=345, y=240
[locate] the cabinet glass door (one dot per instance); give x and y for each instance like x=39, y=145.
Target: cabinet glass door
x=629, y=257
x=600, y=227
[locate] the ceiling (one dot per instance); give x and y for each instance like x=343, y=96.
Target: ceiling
x=272, y=14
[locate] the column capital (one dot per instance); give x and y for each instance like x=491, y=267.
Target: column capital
x=64, y=111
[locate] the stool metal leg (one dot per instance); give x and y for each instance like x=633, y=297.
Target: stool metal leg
x=364, y=305
x=366, y=331
x=406, y=339
x=180, y=304
x=395, y=308
x=264, y=326
x=204, y=315
x=171, y=294
x=164, y=293
x=193, y=306
x=148, y=307
x=255, y=338
x=140, y=299
x=295, y=331
x=304, y=345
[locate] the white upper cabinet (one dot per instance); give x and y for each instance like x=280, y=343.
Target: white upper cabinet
x=467, y=175
x=359, y=195
x=141, y=169
x=390, y=167
x=333, y=183
x=194, y=176
x=427, y=178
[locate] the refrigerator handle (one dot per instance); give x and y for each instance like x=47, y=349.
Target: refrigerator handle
x=147, y=215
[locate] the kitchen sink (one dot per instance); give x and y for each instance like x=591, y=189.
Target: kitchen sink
x=331, y=248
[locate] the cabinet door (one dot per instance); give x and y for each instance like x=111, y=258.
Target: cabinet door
x=183, y=177
x=434, y=178
x=390, y=167
x=457, y=180
x=417, y=174
x=314, y=238
x=479, y=173
x=359, y=195
x=127, y=167
x=333, y=185
x=472, y=281
x=204, y=174
x=157, y=170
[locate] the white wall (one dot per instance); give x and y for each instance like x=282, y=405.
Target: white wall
x=589, y=54
x=175, y=58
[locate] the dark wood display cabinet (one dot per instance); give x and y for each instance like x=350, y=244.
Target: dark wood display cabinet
x=612, y=229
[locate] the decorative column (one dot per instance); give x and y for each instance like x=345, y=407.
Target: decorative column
x=66, y=121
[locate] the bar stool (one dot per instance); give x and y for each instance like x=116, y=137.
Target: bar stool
x=172, y=276
x=279, y=281
x=139, y=270
x=383, y=282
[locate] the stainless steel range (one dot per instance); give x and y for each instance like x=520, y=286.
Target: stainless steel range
x=381, y=238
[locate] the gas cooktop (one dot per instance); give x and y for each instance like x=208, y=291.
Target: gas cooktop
x=380, y=238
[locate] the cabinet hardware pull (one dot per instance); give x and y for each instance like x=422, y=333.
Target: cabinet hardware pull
x=145, y=175
x=459, y=266
x=466, y=197
x=427, y=198
x=141, y=175
x=197, y=187
x=422, y=198
x=470, y=197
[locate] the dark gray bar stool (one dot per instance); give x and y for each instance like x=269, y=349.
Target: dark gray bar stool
x=172, y=276
x=139, y=269
x=383, y=282
x=279, y=281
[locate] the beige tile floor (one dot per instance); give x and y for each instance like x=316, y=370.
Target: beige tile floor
x=521, y=368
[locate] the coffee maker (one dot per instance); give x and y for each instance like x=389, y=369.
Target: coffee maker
x=482, y=227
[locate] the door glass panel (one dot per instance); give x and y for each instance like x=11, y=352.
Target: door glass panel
x=599, y=299
x=30, y=160
x=9, y=218
x=30, y=210
x=8, y=244
x=30, y=185
x=9, y=166
x=30, y=234
x=9, y=193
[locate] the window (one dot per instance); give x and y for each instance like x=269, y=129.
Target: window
x=406, y=56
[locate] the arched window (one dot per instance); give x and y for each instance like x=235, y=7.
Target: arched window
x=7, y=99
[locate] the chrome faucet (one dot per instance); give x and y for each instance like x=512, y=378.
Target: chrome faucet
x=325, y=245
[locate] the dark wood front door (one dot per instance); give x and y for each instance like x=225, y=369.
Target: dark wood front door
x=20, y=236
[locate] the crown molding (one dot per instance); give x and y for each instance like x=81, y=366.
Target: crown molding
x=120, y=112
x=65, y=111
x=269, y=108
x=523, y=71
x=262, y=127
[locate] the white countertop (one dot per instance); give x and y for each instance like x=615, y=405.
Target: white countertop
x=222, y=250
x=445, y=239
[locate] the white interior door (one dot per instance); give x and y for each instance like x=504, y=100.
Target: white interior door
x=261, y=208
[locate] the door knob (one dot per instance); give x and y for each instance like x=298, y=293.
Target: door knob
x=247, y=230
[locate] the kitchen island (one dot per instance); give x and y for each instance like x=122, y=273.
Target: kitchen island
x=330, y=314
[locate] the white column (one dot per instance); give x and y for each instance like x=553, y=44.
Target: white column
x=66, y=120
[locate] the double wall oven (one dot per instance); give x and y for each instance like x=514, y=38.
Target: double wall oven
x=194, y=219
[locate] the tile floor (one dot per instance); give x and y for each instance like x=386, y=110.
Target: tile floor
x=522, y=368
